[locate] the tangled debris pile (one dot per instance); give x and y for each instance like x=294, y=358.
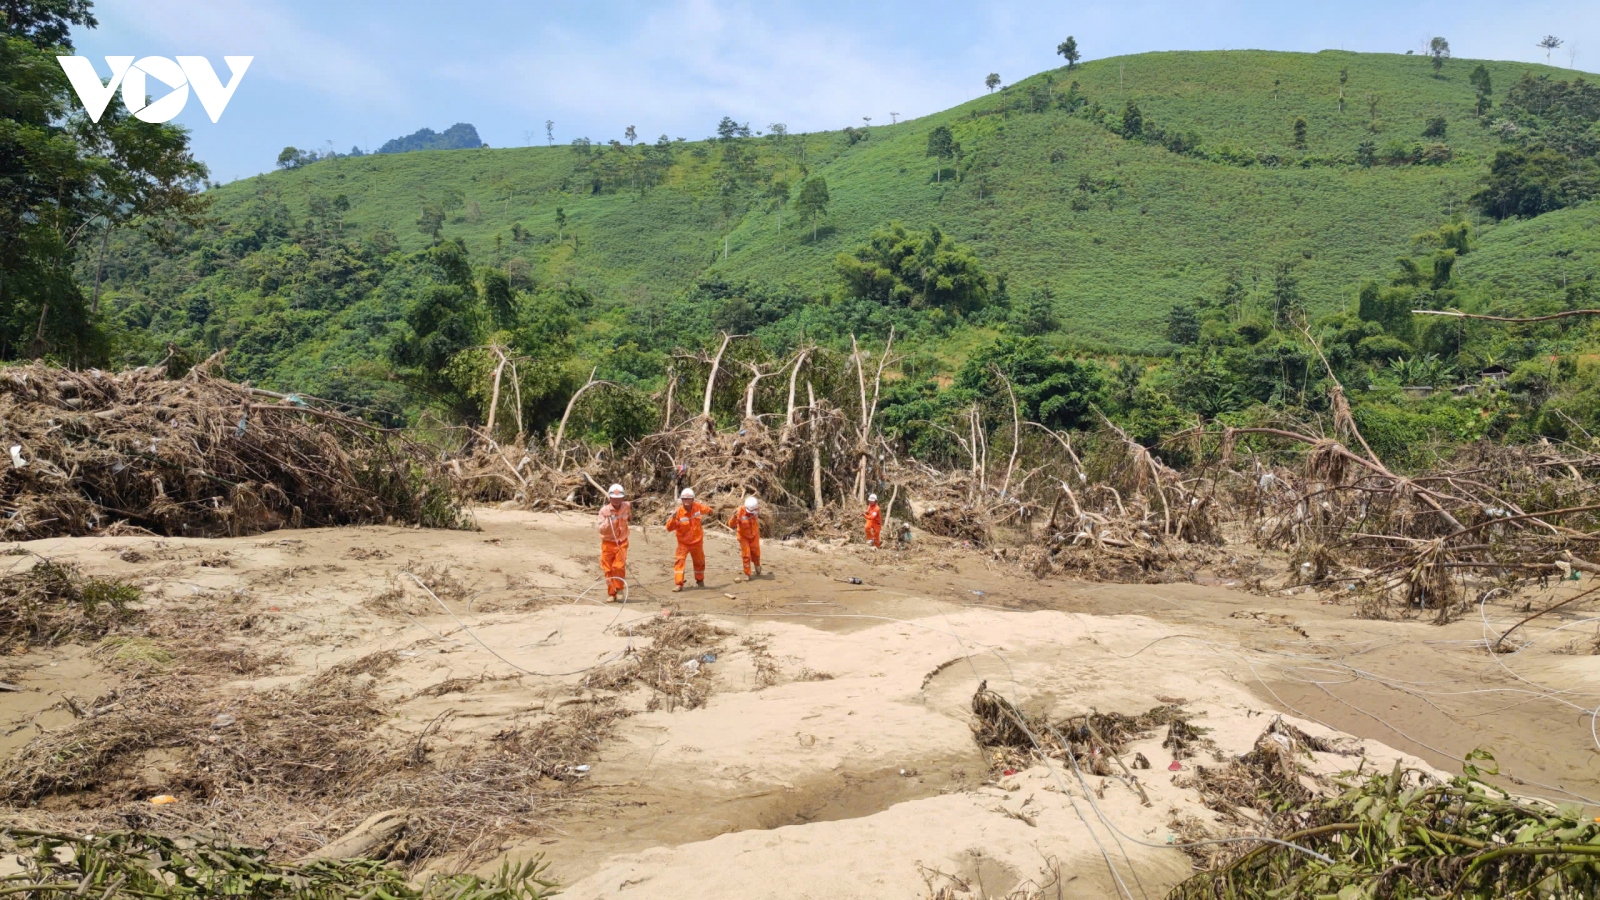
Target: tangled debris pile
x=140, y=864
x=1014, y=739
x=93, y=452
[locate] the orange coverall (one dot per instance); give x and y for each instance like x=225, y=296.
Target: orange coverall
x=612, y=525
x=874, y=517
x=685, y=523
x=748, y=526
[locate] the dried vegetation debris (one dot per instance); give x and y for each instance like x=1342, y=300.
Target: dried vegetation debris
x=50, y=603
x=1095, y=740
x=142, y=864
x=196, y=456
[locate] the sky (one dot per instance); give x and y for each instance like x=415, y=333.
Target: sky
x=352, y=73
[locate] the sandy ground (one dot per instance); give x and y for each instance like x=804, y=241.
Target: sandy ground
x=835, y=756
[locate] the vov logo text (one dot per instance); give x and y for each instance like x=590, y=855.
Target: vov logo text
x=133, y=77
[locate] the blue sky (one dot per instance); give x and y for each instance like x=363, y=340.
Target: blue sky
x=357, y=73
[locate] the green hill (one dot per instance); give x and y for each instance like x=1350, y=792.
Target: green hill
x=1046, y=190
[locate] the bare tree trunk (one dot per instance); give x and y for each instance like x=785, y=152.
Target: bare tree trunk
x=1016, y=432
x=816, y=447
x=750, y=389
x=561, y=430
x=711, y=380
x=868, y=410
x=861, y=380
x=794, y=374
x=972, y=432
x=666, y=414
x=516, y=387
x=494, y=395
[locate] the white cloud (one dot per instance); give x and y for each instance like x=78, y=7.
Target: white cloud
x=285, y=48
x=697, y=60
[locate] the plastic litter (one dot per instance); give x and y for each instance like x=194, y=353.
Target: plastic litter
x=580, y=769
x=1009, y=772
x=709, y=658
x=163, y=800
x=223, y=720
x=17, y=461
x=1175, y=766
x=692, y=665
x=850, y=580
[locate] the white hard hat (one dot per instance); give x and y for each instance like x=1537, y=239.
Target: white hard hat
x=872, y=498
x=616, y=491
x=688, y=494
x=751, y=503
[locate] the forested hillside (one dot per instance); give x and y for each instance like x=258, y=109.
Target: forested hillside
x=1114, y=208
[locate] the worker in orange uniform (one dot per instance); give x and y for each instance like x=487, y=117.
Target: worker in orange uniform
x=685, y=523
x=874, y=521
x=613, y=527
x=746, y=523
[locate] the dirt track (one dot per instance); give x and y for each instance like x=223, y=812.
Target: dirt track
x=835, y=749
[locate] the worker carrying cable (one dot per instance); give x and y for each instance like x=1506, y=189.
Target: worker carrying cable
x=746, y=523
x=685, y=523
x=613, y=527
x=874, y=516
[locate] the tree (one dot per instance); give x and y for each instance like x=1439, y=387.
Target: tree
x=1436, y=128
x=1372, y=107
x=813, y=201
x=1300, y=132
x=992, y=82
x=1480, y=82
x=1287, y=301
x=1439, y=49
x=916, y=270
x=1183, y=325
x=1132, y=121
x=1367, y=153
x=1548, y=43
x=1344, y=78
x=778, y=195
x=1068, y=50
x=561, y=223
x=550, y=132
x=1534, y=180
x=431, y=220
x=1052, y=389
x=498, y=299
x=941, y=146
x=632, y=134
x=45, y=23
x=1275, y=83
x=1037, y=313
x=728, y=129
x=64, y=180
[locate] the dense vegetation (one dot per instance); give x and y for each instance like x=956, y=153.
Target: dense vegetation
x=1159, y=237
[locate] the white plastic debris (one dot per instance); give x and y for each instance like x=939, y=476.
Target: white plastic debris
x=17, y=461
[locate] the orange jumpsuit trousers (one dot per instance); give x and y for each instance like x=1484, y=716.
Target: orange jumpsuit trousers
x=874, y=516
x=685, y=523
x=747, y=525
x=614, y=560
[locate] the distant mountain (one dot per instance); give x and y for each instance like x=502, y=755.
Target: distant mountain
x=460, y=136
